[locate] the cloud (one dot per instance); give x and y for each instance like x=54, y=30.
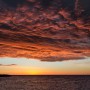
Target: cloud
x=8, y=65
x=54, y=33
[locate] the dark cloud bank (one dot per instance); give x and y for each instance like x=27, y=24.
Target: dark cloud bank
x=49, y=30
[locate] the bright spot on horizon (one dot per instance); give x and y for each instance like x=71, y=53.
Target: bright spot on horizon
x=25, y=66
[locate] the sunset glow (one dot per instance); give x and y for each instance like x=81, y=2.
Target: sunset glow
x=45, y=37
x=44, y=44
x=22, y=66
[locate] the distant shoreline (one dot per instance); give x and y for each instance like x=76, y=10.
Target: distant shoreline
x=5, y=75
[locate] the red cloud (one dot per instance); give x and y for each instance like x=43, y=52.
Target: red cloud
x=53, y=33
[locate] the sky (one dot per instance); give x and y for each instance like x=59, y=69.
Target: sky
x=23, y=66
x=56, y=33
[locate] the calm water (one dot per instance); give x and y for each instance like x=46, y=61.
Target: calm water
x=45, y=83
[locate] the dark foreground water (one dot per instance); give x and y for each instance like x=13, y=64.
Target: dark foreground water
x=45, y=83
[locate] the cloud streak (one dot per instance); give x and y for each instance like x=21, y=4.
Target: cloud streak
x=8, y=65
x=46, y=31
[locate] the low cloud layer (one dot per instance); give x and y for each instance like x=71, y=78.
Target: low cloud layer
x=8, y=65
x=50, y=31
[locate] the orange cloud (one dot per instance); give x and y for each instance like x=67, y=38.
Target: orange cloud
x=54, y=33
